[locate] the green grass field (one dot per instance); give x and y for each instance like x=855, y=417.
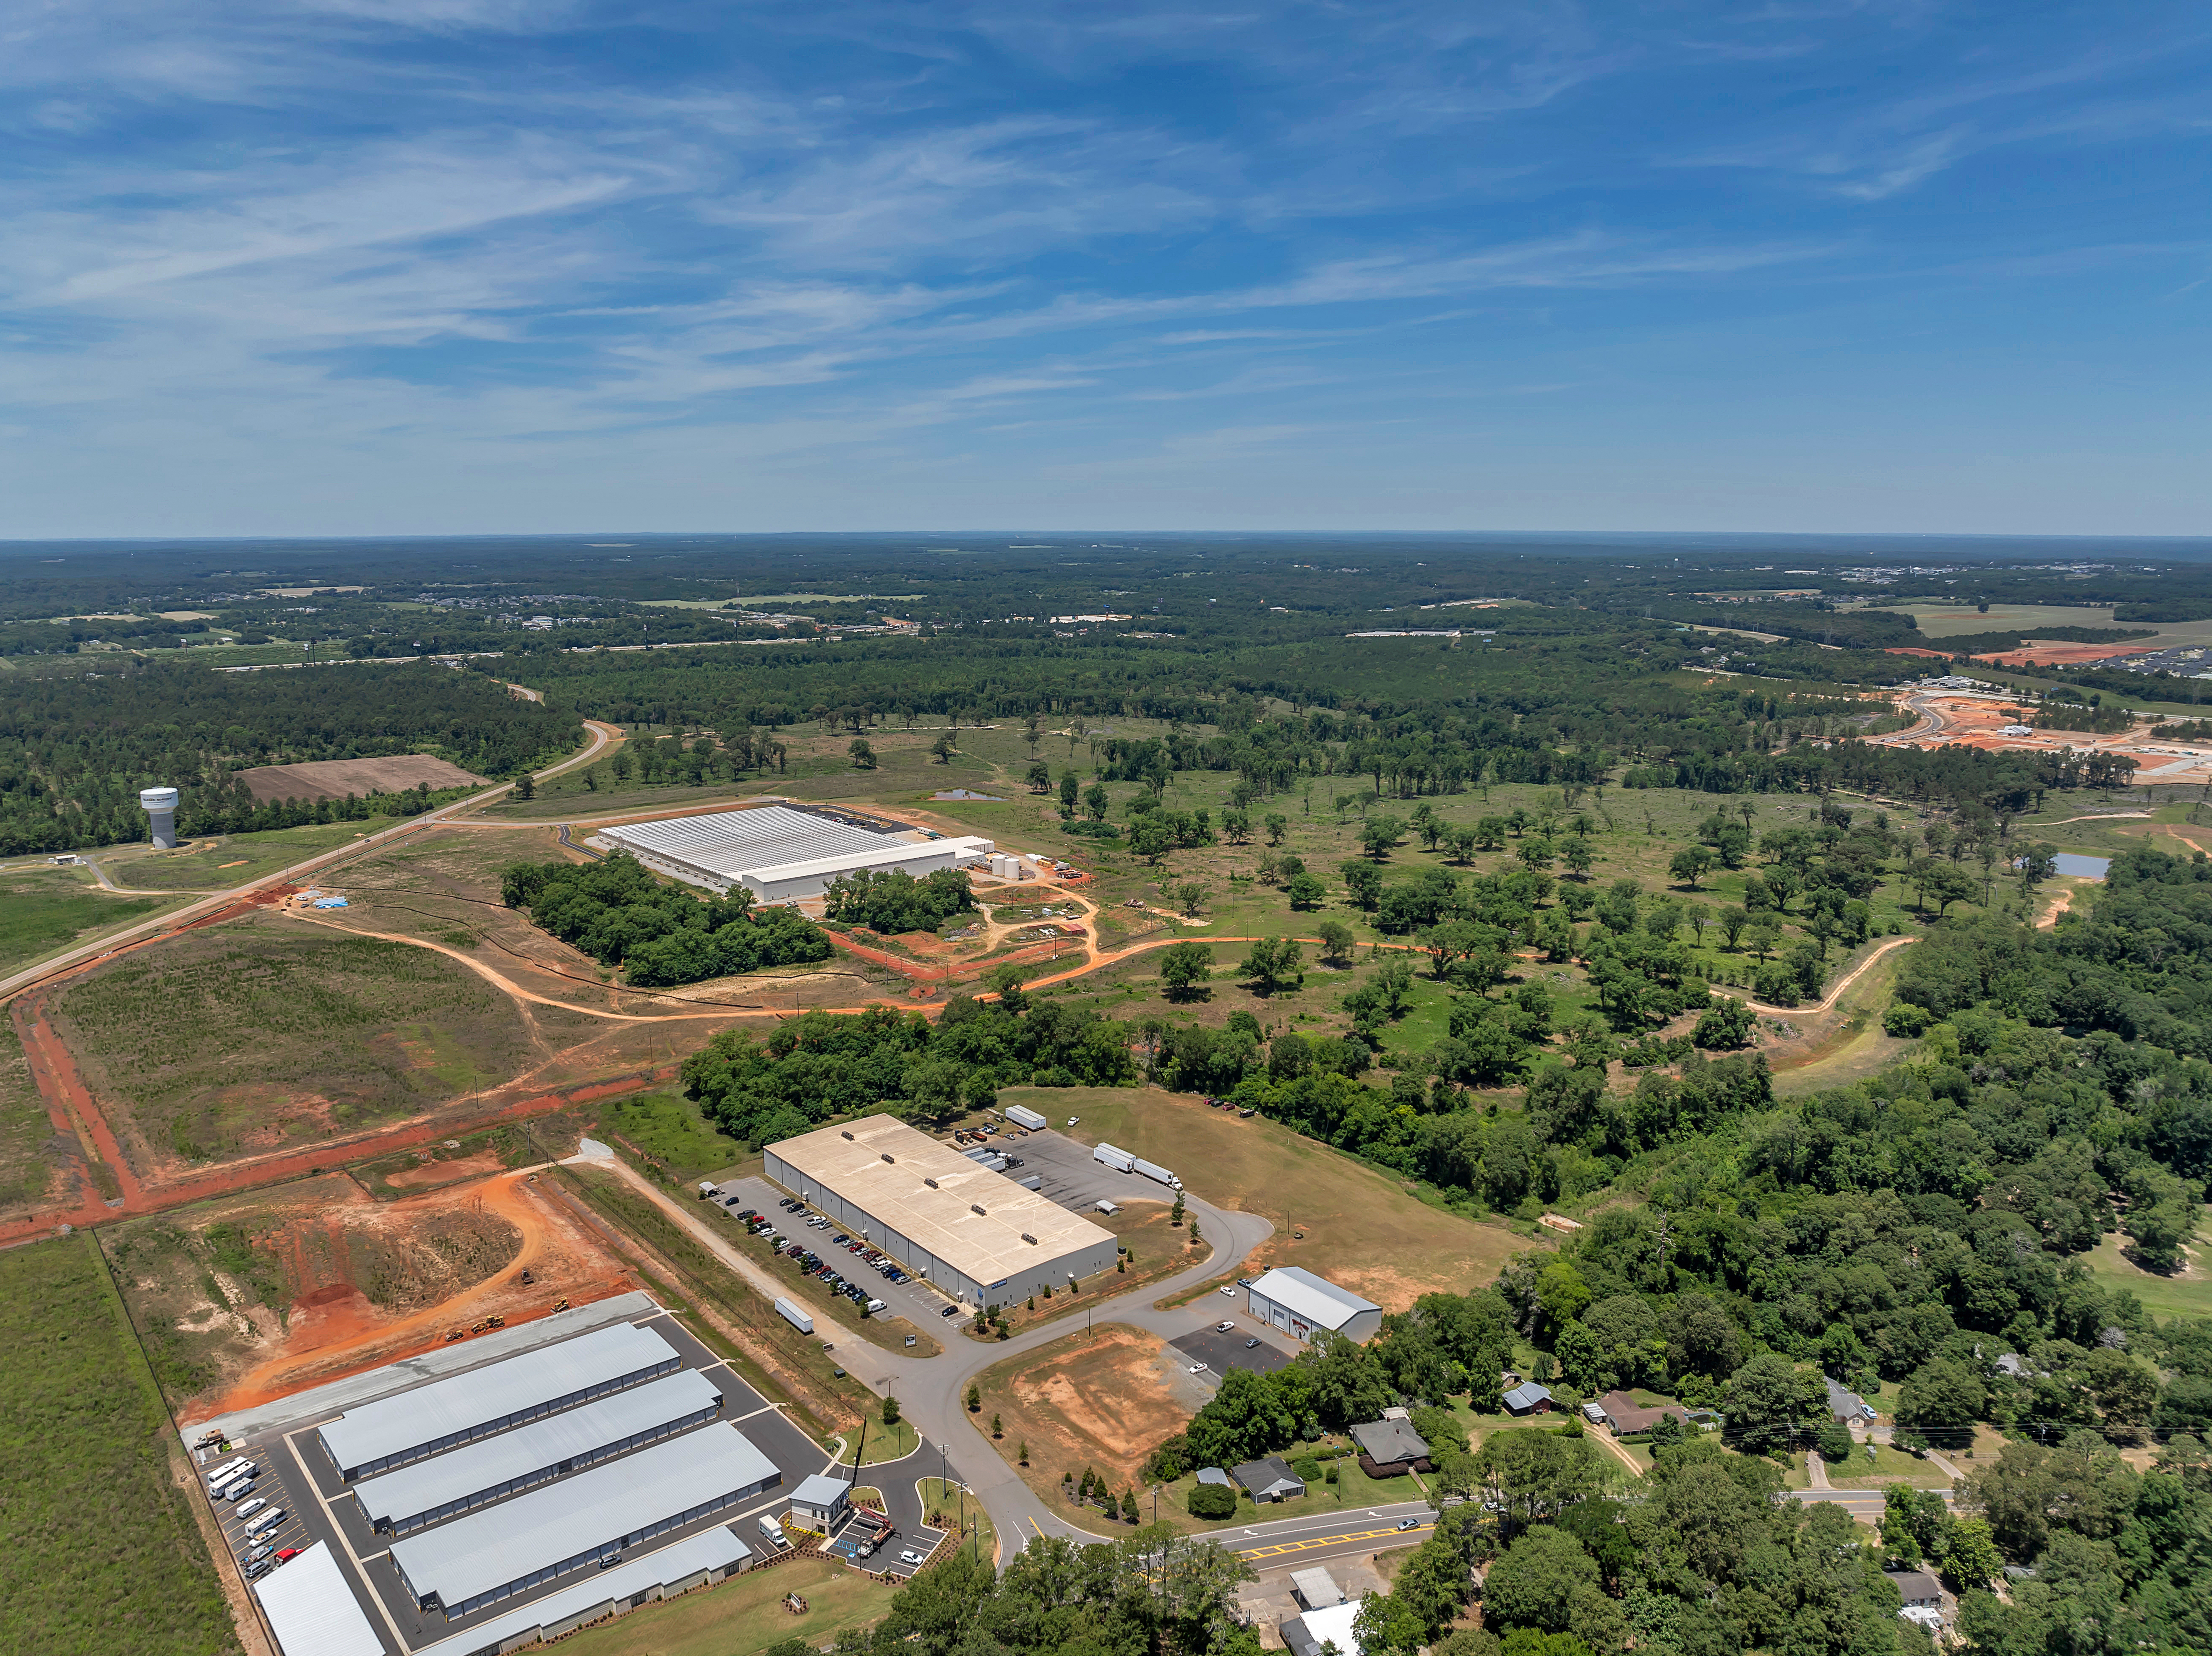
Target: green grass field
x=233, y=859
x=273, y=1032
x=668, y=1128
x=25, y=1129
x=2186, y=1295
x=103, y=1557
x=744, y=1615
x=44, y=911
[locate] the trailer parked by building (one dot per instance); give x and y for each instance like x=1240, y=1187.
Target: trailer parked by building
x=1113, y=1156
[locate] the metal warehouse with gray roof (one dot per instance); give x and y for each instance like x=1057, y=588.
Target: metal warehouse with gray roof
x=461, y=1408
x=975, y=1233
x=447, y=1485
x=584, y=1521
x=778, y=854
x=1301, y=1304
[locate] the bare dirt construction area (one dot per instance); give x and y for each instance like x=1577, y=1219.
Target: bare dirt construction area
x=2054, y=652
x=262, y=1035
x=334, y=778
x=1362, y=1229
x=258, y=1297
x=1102, y=1401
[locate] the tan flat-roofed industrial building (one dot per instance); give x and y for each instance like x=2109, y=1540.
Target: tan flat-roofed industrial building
x=976, y=1234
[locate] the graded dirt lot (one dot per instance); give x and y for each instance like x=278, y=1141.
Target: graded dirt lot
x=334, y=778
x=1362, y=1228
x=263, y=1294
x=1103, y=1400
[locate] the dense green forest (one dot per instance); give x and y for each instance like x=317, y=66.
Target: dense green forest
x=75, y=750
x=660, y=934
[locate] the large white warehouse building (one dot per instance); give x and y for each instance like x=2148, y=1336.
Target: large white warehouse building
x=780, y=855
x=1300, y=1303
x=976, y=1234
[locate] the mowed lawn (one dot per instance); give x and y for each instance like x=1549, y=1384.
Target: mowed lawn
x=101, y=1556
x=1364, y=1229
x=43, y=912
x=744, y=1615
x=2188, y=1295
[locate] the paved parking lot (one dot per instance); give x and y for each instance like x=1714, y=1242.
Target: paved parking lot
x=1071, y=1178
x=1221, y=1352
x=275, y=1491
x=913, y=1300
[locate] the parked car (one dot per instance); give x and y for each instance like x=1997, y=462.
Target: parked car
x=950, y=1311
x=1225, y=1328
x=909, y=1556
x=1249, y=1344
x=288, y=1555
x=1231, y=1292
x=257, y=1555
x=1197, y=1368
x=255, y=1571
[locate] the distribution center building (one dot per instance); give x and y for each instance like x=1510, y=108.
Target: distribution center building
x=780, y=855
x=1300, y=1304
x=976, y=1234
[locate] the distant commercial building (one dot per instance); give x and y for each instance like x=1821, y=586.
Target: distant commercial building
x=977, y=1235
x=1301, y=1304
x=780, y=855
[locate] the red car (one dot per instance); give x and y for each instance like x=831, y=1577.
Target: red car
x=287, y=1554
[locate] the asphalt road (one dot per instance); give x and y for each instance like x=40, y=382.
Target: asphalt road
x=602, y=734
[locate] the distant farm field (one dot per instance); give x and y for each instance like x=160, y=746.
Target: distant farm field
x=1362, y=1228
x=102, y=1555
x=217, y=1043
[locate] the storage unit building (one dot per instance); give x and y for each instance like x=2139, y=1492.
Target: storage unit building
x=461, y=1408
x=976, y=1234
x=779, y=854
x=312, y=1610
x=582, y=1521
x=1301, y=1304
x=445, y=1486
x=697, y=1560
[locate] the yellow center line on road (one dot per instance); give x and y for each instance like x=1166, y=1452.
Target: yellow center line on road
x=1327, y=1541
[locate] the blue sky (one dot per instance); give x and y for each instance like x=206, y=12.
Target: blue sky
x=392, y=266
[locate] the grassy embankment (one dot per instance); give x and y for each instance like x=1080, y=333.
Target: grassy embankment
x=45, y=911
x=744, y=1615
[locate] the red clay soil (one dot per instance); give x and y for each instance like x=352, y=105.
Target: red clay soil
x=334, y=778
x=2044, y=652
x=334, y=1331
x=66, y=1096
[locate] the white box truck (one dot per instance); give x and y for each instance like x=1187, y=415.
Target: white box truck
x=1153, y=1170
x=1120, y=1160
x=772, y=1531
x=1022, y=1116
x=798, y=1316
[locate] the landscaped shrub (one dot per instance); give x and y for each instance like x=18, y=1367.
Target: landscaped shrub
x=1212, y=1500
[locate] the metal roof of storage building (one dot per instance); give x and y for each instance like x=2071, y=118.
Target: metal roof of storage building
x=714, y=1550
x=1317, y=1299
x=733, y=842
x=313, y=1611
x=490, y=1548
x=463, y=1402
x=489, y=1462
x=979, y=1222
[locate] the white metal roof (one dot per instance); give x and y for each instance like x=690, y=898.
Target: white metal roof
x=820, y=1489
x=717, y=1549
x=393, y=1424
x=733, y=842
x=1330, y=1626
x=883, y=1166
x=494, y=1545
x=313, y=1611
x=491, y=1461
x=1311, y=1298
x=889, y=854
